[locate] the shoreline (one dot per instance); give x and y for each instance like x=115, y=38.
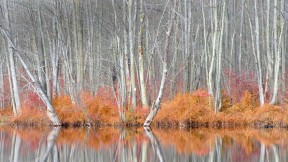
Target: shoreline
x=156, y=124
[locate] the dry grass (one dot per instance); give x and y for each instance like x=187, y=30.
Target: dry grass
x=188, y=110
x=102, y=111
x=31, y=117
x=192, y=110
x=68, y=112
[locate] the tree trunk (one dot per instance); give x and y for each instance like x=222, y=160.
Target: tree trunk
x=240, y=36
x=155, y=143
x=50, y=109
x=141, y=59
x=11, y=57
x=50, y=143
x=154, y=109
x=79, y=52
x=258, y=56
x=131, y=50
x=278, y=49
x=218, y=96
x=276, y=69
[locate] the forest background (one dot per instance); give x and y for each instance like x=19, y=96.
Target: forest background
x=96, y=61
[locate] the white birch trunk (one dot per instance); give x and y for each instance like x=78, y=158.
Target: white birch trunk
x=268, y=50
x=218, y=96
x=154, y=109
x=40, y=48
x=141, y=59
x=155, y=143
x=11, y=57
x=131, y=50
x=258, y=56
x=276, y=70
x=50, y=143
x=50, y=109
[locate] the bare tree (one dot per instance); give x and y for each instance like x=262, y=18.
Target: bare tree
x=277, y=51
x=155, y=107
x=11, y=57
x=131, y=51
x=140, y=53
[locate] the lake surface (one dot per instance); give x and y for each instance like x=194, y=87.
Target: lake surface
x=129, y=145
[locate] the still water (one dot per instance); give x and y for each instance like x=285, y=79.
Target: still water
x=129, y=145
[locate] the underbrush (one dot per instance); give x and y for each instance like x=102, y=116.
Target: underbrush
x=184, y=110
x=195, y=110
x=98, y=111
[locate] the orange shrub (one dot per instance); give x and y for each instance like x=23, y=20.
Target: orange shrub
x=186, y=108
x=6, y=112
x=68, y=112
x=103, y=112
x=189, y=110
x=269, y=115
x=248, y=102
x=31, y=117
x=137, y=117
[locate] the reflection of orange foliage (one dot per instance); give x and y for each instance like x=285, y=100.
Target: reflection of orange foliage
x=105, y=137
x=25, y=134
x=247, y=137
x=243, y=137
x=134, y=135
x=198, y=141
x=72, y=136
x=102, y=137
x=37, y=134
x=201, y=141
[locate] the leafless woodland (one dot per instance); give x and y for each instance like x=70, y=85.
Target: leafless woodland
x=144, y=50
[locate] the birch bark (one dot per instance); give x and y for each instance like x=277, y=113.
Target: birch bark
x=154, y=109
x=11, y=57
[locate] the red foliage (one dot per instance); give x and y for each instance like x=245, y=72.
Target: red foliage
x=106, y=93
x=33, y=101
x=241, y=82
x=201, y=93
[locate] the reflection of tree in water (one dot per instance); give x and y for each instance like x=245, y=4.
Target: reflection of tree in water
x=155, y=143
x=16, y=143
x=106, y=144
x=51, y=144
